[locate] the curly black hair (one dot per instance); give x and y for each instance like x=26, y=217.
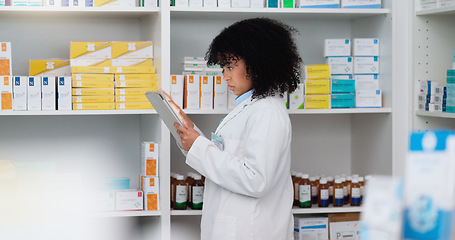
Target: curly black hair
x=268, y=49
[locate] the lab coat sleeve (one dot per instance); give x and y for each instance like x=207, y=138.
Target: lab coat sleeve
x=266, y=138
x=185, y=152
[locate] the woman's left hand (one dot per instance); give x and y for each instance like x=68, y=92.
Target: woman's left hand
x=187, y=135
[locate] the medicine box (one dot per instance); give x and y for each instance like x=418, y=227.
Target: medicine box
x=311, y=228
x=257, y=3
x=368, y=47
x=129, y=200
x=35, y=3
x=137, y=84
x=337, y=47
x=48, y=96
x=183, y=3
x=5, y=59
x=92, y=91
x=84, y=50
x=428, y=185
x=342, y=100
x=6, y=91
x=139, y=65
x=194, y=60
x=133, y=105
x=317, y=87
x=135, y=76
x=93, y=84
x=56, y=3
x=94, y=65
x=287, y=3
x=93, y=106
x=343, y=76
x=177, y=88
x=19, y=2
x=34, y=94
x=317, y=101
x=360, y=3
x=192, y=91
x=116, y=183
x=367, y=82
x=50, y=68
x=210, y=3
x=446, y=3
x=131, y=98
x=297, y=98
x=150, y=188
x=94, y=99
x=142, y=49
x=92, y=77
x=240, y=3
x=345, y=230
x=20, y=93
x=451, y=72
x=340, y=65
x=206, y=92
x=195, y=3
x=342, y=86
x=149, y=158
x=319, y=4
x=131, y=91
x=220, y=93
x=366, y=65
x=64, y=93
x=231, y=104
x=313, y=72
x=272, y=4
x=368, y=99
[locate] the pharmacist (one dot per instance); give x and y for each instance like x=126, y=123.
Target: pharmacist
x=248, y=189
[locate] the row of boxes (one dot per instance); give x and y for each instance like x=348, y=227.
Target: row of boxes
x=361, y=47
x=353, y=65
x=429, y=4
x=361, y=99
x=81, y=3
x=335, y=226
x=278, y=3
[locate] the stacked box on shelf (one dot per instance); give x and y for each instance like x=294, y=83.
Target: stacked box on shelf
x=366, y=68
x=93, y=79
x=132, y=63
x=149, y=180
x=5, y=59
x=449, y=93
x=317, y=86
x=431, y=96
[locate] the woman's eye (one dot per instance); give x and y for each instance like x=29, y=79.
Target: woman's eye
x=230, y=68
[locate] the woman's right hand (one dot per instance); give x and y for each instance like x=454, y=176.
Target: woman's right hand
x=178, y=110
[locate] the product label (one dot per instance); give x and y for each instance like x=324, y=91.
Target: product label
x=314, y=191
x=324, y=194
x=355, y=193
x=197, y=196
x=181, y=196
x=305, y=196
x=296, y=191
x=330, y=190
x=339, y=196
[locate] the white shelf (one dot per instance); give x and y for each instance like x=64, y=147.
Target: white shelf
x=437, y=11
x=187, y=212
x=128, y=214
x=314, y=209
x=7, y=11
x=77, y=112
x=336, y=13
x=435, y=114
x=306, y=111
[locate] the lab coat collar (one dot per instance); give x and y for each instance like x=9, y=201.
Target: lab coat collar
x=236, y=111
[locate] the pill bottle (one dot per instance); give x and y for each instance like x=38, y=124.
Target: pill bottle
x=173, y=179
x=348, y=181
x=297, y=179
x=362, y=189
x=323, y=199
x=305, y=192
x=180, y=193
x=338, y=193
x=355, y=192
x=330, y=183
x=189, y=181
x=345, y=190
x=314, y=190
x=197, y=191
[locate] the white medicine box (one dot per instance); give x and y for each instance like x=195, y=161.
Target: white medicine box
x=368, y=47
x=337, y=47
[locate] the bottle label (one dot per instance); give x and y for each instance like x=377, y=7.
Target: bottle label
x=314, y=191
x=345, y=191
x=296, y=191
x=181, y=196
x=198, y=195
x=355, y=193
x=330, y=190
x=339, y=193
x=305, y=196
x=324, y=194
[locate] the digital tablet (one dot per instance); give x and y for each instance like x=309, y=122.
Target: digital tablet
x=166, y=112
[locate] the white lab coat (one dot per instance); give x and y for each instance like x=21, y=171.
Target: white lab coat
x=248, y=188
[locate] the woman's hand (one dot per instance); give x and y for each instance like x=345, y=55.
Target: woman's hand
x=178, y=110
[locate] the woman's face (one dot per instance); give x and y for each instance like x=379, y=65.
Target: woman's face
x=236, y=77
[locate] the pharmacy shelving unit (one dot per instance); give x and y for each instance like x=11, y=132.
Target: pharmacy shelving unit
x=434, y=32
x=106, y=143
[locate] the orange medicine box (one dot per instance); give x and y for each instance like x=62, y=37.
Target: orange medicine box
x=150, y=187
x=149, y=159
x=6, y=92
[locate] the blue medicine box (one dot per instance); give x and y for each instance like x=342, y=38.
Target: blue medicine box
x=342, y=100
x=343, y=86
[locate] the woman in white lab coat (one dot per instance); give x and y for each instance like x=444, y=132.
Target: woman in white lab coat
x=248, y=188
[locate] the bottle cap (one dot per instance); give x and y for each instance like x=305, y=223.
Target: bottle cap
x=337, y=180
x=360, y=179
x=305, y=176
x=197, y=177
x=312, y=179
x=355, y=180
x=349, y=178
x=323, y=181
x=179, y=177
x=299, y=175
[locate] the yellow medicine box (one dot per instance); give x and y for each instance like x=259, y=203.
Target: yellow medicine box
x=317, y=87
x=93, y=99
x=133, y=105
x=93, y=106
x=132, y=49
x=132, y=91
x=136, y=84
x=321, y=71
x=93, y=84
x=91, y=65
x=49, y=68
x=90, y=50
x=93, y=77
x=144, y=65
x=317, y=101
x=93, y=91
x=134, y=76
x=131, y=98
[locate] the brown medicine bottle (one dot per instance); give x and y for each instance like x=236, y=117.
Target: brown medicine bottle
x=305, y=192
x=180, y=193
x=197, y=192
x=323, y=195
x=338, y=193
x=355, y=192
x=297, y=179
x=314, y=190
